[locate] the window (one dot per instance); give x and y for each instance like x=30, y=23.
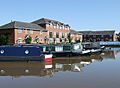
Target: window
x=40, y=33
x=57, y=35
x=51, y=24
x=63, y=35
x=47, y=25
x=54, y=26
x=63, y=40
x=60, y=34
x=63, y=27
x=57, y=40
x=67, y=28
x=66, y=34
x=60, y=27
x=40, y=39
x=54, y=34
x=57, y=26
x=50, y=34
x=19, y=40
x=26, y=31
x=50, y=40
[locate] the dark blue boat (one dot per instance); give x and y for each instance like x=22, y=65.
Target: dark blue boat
x=27, y=53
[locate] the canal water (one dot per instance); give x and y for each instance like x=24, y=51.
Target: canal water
x=93, y=71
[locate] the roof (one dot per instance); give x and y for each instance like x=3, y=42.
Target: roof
x=97, y=32
x=74, y=32
x=45, y=21
x=17, y=24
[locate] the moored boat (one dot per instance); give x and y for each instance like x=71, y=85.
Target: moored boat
x=63, y=49
x=91, y=48
x=13, y=53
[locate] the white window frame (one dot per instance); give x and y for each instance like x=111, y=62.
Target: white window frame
x=40, y=33
x=19, y=40
x=55, y=34
x=60, y=27
x=57, y=26
x=60, y=34
x=54, y=26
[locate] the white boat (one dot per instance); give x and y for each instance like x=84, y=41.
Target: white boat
x=85, y=51
x=95, y=50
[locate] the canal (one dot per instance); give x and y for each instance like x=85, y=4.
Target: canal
x=92, y=71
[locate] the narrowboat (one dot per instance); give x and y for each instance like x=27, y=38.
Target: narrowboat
x=92, y=47
x=62, y=49
x=21, y=53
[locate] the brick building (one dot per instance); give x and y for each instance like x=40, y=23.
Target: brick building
x=57, y=31
x=76, y=36
x=43, y=30
x=19, y=30
x=96, y=36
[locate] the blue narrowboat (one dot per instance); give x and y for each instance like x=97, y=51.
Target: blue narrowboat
x=28, y=53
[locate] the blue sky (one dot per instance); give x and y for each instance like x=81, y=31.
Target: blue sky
x=79, y=14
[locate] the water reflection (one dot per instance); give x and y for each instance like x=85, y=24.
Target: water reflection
x=49, y=68
x=17, y=69
x=75, y=64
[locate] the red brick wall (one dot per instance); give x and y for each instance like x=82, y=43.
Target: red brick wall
x=76, y=37
x=33, y=35
x=51, y=28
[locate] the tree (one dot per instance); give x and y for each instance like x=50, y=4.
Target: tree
x=69, y=38
x=46, y=39
x=4, y=38
x=28, y=39
x=36, y=39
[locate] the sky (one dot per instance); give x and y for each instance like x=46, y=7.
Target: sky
x=81, y=15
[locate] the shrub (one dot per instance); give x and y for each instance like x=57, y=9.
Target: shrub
x=28, y=39
x=4, y=38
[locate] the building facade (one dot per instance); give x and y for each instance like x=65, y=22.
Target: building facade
x=96, y=36
x=57, y=31
x=19, y=31
x=76, y=36
x=41, y=31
